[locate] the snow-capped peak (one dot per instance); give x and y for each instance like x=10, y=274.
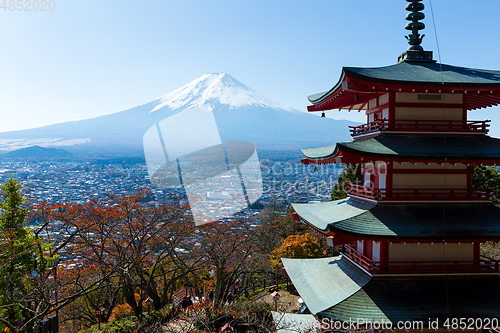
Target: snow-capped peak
x=212, y=89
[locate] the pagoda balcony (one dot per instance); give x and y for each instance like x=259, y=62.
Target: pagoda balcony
x=358, y=258
x=421, y=126
x=381, y=195
x=483, y=265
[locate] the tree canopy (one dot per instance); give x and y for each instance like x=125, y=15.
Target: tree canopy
x=351, y=174
x=486, y=177
x=300, y=247
x=23, y=259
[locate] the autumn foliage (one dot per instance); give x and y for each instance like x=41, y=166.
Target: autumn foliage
x=298, y=246
x=117, y=253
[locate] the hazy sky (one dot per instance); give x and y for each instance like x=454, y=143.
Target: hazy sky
x=93, y=57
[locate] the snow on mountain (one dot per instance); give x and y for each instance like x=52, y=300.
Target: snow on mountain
x=240, y=113
x=213, y=89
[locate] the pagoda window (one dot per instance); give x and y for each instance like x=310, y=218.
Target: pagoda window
x=372, y=103
x=384, y=99
x=385, y=113
x=359, y=246
x=368, y=182
x=376, y=251
x=382, y=174
x=382, y=181
x=375, y=174
x=371, y=117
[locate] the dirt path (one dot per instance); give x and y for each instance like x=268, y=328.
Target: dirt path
x=286, y=303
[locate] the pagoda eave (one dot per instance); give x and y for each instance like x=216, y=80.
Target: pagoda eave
x=419, y=299
x=473, y=150
x=351, y=159
x=350, y=219
x=347, y=158
x=339, y=289
x=354, y=90
x=313, y=278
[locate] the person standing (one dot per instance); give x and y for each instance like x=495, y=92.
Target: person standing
x=184, y=303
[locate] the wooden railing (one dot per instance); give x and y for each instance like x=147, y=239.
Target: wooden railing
x=421, y=126
x=358, y=258
x=362, y=191
x=474, y=194
x=483, y=265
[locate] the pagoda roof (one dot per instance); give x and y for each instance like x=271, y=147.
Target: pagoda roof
x=336, y=288
x=352, y=217
x=412, y=147
x=294, y=322
x=428, y=73
x=403, y=77
x=324, y=282
x=418, y=299
x=323, y=214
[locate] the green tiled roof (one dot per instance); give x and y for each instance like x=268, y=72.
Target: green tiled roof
x=326, y=281
x=419, y=299
x=418, y=73
x=322, y=152
x=428, y=73
x=404, y=221
x=325, y=213
x=294, y=323
x=414, y=146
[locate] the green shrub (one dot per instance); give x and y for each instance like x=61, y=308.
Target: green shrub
x=125, y=325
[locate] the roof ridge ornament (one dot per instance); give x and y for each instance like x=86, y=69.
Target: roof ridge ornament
x=415, y=52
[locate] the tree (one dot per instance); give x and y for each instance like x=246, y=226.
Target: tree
x=88, y=275
x=24, y=261
x=351, y=174
x=227, y=250
x=486, y=177
x=133, y=248
x=298, y=246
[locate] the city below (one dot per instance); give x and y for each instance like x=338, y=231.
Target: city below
x=80, y=181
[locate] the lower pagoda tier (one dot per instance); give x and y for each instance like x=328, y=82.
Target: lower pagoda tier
x=358, y=219
x=325, y=282
x=413, y=148
x=337, y=289
x=403, y=300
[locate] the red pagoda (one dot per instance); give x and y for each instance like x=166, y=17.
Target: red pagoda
x=411, y=230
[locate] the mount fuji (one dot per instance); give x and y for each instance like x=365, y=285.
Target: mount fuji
x=240, y=113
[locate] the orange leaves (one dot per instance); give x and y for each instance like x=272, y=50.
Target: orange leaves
x=121, y=311
x=298, y=246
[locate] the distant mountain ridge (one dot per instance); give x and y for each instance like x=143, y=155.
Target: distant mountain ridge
x=38, y=152
x=241, y=114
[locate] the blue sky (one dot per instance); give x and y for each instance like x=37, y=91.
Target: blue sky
x=92, y=57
